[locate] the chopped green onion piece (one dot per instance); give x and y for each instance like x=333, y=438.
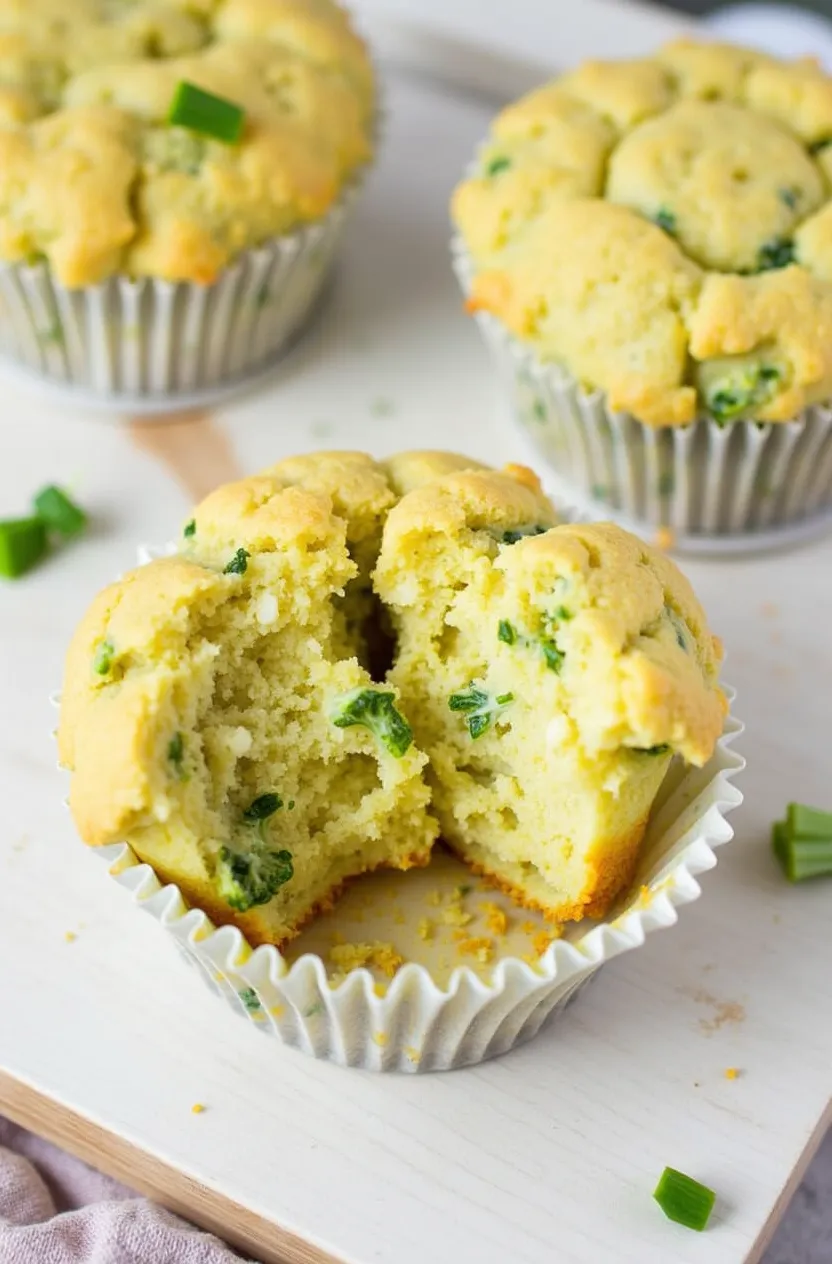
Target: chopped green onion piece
x=202, y=112
x=102, y=660
x=684, y=1200
x=22, y=545
x=57, y=511
x=780, y=842
x=506, y=632
x=808, y=822
x=801, y=856
x=189, y=529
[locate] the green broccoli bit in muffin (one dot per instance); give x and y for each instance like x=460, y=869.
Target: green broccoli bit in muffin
x=735, y=391
x=545, y=643
x=238, y=564
x=479, y=707
x=520, y=533
x=552, y=656
x=246, y=879
x=777, y=253
x=189, y=529
x=790, y=197
x=250, y=999
x=374, y=709
x=497, y=164
x=176, y=753
x=665, y=220
x=102, y=660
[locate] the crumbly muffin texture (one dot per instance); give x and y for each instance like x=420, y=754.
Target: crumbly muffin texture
x=345, y=656
x=93, y=178
x=661, y=229
x=550, y=675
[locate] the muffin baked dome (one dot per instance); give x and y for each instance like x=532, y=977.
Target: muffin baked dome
x=232, y=713
x=699, y=172
x=95, y=180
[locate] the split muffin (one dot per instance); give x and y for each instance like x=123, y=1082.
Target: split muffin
x=648, y=239
x=346, y=657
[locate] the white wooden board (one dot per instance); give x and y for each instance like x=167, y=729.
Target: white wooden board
x=550, y=1154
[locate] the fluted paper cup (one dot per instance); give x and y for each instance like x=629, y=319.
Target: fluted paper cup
x=421, y=1018
x=147, y=346
x=704, y=487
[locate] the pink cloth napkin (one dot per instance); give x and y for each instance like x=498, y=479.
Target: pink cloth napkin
x=56, y=1210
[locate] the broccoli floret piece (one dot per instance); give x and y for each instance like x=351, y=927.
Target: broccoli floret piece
x=189, y=529
x=102, y=660
x=246, y=879
x=479, y=706
x=176, y=753
x=736, y=392
x=374, y=709
x=263, y=807
x=552, y=656
x=506, y=632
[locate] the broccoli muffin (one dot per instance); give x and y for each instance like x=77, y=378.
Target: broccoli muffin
x=550, y=675
x=345, y=655
x=646, y=244
x=215, y=716
x=152, y=141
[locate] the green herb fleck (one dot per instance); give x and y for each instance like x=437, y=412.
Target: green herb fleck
x=506, y=632
x=562, y=614
x=263, y=807
x=176, y=753
x=374, y=709
x=102, y=659
x=777, y=253
x=189, y=529
x=522, y=533
x=238, y=564
x=479, y=708
x=553, y=657
x=497, y=164
x=250, y=999
x=23, y=543
x=789, y=197
x=290, y=806
x=246, y=879
x=665, y=220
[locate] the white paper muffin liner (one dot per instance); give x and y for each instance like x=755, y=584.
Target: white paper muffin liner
x=149, y=346
x=418, y=1025
x=740, y=487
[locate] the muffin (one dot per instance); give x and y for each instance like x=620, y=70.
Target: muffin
x=550, y=675
x=173, y=180
x=647, y=247
x=344, y=657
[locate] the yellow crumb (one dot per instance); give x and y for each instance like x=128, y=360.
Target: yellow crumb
x=352, y=956
x=197, y=1108
x=413, y=1054
x=455, y=915
x=381, y=1038
x=435, y=899
x=70, y=936
x=218, y=978
x=426, y=928
x=542, y=940
x=379, y=989
x=495, y=918
x=664, y=538
x=277, y=1011
x=732, y=1073
x=529, y=928
x=477, y=946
